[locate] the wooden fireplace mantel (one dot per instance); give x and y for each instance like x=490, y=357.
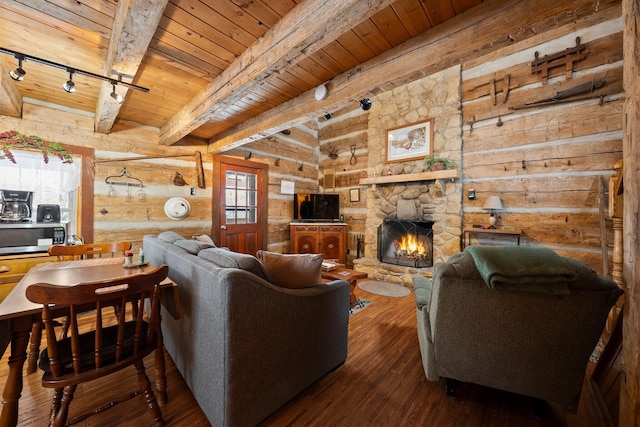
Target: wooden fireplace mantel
x=410, y=177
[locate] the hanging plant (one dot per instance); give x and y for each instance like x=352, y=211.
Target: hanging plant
x=11, y=140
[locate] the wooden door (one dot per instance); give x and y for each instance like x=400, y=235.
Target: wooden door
x=240, y=204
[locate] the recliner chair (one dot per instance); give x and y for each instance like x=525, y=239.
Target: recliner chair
x=519, y=340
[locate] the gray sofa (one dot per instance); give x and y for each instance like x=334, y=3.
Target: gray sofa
x=245, y=346
x=532, y=339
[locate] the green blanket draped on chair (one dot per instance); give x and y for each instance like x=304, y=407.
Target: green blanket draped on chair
x=522, y=269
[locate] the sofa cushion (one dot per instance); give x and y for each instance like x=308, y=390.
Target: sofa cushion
x=192, y=246
x=170, y=236
x=223, y=257
x=292, y=270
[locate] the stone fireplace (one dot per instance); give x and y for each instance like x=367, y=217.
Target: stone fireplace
x=436, y=202
x=432, y=205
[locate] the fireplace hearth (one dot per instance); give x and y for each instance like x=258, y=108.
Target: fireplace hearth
x=406, y=243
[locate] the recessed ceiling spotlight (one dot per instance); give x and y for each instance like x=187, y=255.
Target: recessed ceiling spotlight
x=18, y=73
x=365, y=104
x=69, y=86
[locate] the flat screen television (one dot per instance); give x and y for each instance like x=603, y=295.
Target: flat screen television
x=316, y=207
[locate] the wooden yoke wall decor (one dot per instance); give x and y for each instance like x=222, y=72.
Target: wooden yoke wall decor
x=567, y=57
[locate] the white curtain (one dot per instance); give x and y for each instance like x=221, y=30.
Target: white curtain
x=51, y=182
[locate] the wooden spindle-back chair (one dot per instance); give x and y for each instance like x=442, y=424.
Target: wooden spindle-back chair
x=102, y=350
x=69, y=253
x=89, y=250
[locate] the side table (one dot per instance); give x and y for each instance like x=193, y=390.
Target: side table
x=348, y=275
x=467, y=232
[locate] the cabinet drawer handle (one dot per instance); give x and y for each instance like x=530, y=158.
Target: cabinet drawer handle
x=306, y=247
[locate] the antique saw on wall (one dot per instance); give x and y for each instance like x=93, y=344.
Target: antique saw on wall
x=566, y=95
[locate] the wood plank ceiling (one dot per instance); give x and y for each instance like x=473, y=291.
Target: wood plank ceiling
x=209, y=65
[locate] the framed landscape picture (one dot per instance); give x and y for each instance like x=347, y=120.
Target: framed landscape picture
x=410, y=142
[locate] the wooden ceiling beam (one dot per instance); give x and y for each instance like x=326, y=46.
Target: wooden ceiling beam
x=307, y=28
x=478, y=31
x=134, y=25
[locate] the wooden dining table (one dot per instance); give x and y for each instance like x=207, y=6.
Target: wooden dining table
x=18, y=314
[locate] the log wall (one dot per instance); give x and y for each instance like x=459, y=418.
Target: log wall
x=291, y=157
x=543, y=153
x=345, y=135
x=118, y=218
x=630, y=394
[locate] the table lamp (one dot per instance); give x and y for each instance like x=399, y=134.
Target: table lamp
x=492, y=204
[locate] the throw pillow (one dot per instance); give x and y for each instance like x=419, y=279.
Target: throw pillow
x=225, y=258
x=170, y=236
x=292, y=270
x=192, y=246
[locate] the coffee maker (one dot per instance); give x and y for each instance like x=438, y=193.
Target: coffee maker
x=16, y=205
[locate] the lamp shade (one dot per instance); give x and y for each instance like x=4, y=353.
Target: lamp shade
x=493, y=202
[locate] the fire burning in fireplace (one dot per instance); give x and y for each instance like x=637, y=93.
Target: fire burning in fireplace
x=410, y=246
x=406, y=243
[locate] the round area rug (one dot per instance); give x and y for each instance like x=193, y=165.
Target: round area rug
x=386, y=289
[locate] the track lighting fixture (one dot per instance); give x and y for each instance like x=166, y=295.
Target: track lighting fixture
x=18, y=73
x=69, y=86
x=115, y=95
x=365, y=104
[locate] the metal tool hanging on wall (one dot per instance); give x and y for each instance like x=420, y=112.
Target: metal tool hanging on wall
x=567, y=95
x=126, y=179
x=197, y=154
x=353, y=160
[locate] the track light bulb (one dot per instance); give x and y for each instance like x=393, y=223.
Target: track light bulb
x=115, y=95
x=18, y=73
x=69, y=86
x=365, y=104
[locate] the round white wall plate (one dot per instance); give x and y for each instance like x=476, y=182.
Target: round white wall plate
x=177, y=208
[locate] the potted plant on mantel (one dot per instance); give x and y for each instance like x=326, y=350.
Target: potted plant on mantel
x=434, y=163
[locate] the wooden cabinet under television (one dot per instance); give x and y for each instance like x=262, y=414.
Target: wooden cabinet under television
x=328, y=239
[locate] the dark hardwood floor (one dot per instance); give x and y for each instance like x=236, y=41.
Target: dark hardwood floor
x=381, y=384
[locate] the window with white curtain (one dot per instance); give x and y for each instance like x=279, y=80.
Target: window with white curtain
x=52, y=183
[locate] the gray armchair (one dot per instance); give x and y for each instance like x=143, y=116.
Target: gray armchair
x=520, y=340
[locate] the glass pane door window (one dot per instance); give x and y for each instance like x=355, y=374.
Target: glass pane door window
x=241, y=198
